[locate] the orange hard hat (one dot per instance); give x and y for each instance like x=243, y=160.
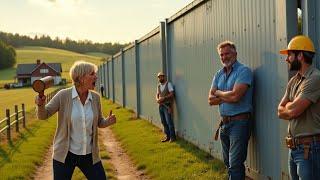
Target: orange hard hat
x=299, y=43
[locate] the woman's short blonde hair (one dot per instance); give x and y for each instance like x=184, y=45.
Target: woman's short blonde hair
x=79, y=69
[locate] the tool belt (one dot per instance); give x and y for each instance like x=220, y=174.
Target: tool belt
x=228, y=119
x=292, y=142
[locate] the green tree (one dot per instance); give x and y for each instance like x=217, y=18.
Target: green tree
x=81, y=46
x=7, y=56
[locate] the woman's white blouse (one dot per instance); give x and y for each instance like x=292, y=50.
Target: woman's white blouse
x=81, y=125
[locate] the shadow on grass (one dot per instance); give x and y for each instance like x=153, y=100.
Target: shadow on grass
x=4, y=157
x=8, y=149
x=215, y=163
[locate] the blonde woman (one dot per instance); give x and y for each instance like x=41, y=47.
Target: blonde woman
x=79, y=116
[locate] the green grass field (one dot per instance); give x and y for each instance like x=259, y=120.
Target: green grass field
x=7, y=75
x=29, y=54
x=98, y=54
x=178, y=160
x=12, y=97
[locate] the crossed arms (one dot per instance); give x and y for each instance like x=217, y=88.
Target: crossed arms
x=309, y=94
x=289, y=110
x=217, y=97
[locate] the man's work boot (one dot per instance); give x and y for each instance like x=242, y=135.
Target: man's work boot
x=172, y=139
x=165, y=139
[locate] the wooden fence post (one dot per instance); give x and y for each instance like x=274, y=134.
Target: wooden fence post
x=17, y=117
x=8, y=124
x=24, y=116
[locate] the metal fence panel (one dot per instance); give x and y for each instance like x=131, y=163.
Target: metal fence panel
x=99, y=79
x=110, y=80
x=130, y=79
x=150, y=64
x=106, y=77
x=317, y=35
x=311, y=25
x=118, y=79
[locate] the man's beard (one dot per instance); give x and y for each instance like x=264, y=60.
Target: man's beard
x=228, y=63
x=295, y=65
x=161, y=81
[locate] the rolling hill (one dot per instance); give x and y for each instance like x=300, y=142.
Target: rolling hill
x=29, y=54
x=99, y=54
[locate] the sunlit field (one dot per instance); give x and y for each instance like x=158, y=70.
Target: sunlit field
x=29, y=54
x=9, y=98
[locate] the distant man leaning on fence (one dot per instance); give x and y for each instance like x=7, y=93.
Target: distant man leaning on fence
x=300, y=105
x=231, y=89
x=164, y=97
x=102, y=90
x=79, y=117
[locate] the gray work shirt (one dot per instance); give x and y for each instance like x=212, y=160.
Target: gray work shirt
x=306, y=86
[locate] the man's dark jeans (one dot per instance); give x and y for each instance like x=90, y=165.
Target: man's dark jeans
x=65, y=170
x=167, y=122
x=305, y=169
x=234, y=140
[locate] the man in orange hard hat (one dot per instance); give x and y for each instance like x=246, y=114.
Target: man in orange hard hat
x=300, y=106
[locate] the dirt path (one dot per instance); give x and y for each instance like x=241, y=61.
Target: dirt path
x=45, y=171
x=125, y=169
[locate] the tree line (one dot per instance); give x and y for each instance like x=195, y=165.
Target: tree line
x=81, y=46
x=7, y=55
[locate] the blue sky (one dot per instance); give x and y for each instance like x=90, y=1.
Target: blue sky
x=97, y=20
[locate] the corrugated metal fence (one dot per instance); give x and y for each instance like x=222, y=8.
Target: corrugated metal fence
x=183, y=46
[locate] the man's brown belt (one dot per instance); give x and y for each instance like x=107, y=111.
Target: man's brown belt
x=307, y=139
x=292, y=143
x=228, y=119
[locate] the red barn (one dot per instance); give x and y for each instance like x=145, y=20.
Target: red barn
x=27, y=73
